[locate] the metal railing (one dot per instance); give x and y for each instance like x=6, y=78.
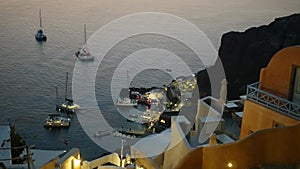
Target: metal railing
x=273, y=102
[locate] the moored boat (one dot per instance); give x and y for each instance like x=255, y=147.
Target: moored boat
x=55, y=120
x=126, y=102
x=68, y=106
x=40, y=34
x=84, y=54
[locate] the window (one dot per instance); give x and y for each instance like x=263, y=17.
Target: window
x=296, y=85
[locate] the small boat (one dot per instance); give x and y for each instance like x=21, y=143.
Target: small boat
x=55, y=120
x=68, y=106
x=133, y=118
x=40, y=35
x=83, y=54
x=102, y=133
x=126, y=102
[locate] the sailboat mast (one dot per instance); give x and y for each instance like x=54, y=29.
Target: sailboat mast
x=40, y=18
x=128, y=79
x=128, y=84
x=56, y=91
x=84, y=33
x=66, y=89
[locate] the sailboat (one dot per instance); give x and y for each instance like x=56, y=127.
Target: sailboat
x=40, y=35
x=84, y=54
x=68, y=106
x=126, y=101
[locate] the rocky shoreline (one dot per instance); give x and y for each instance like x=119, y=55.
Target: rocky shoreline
x=243, y=54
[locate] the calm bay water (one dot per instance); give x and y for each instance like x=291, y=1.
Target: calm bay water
x=29, y=70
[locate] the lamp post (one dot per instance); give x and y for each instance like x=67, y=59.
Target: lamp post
x=122, y=149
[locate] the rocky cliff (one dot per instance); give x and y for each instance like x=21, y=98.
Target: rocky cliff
x=243, y=54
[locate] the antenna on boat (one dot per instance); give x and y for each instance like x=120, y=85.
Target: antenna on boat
x=40, y=18
x=66, y=89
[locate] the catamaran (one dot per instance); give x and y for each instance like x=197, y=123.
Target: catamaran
x=55, y=120
x=68, y=106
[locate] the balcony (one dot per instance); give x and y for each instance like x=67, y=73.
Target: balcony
x=273, y=102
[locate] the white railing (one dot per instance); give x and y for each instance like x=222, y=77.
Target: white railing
x=273, y=102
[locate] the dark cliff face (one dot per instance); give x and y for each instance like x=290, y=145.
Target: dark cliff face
x=243, y=54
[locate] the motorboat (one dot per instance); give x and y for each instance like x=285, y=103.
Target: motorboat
x=126, y=102
x=40, y=34
x=55, y=120
x=133, y=118
x=84, y=54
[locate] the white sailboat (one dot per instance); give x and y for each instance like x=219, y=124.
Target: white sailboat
x=40, y=35
x=126, y=101
x=84, y=54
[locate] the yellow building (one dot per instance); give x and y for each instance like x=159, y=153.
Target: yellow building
x=271, y=113
x=274, y=101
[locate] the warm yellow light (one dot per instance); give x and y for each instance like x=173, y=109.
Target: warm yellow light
x=230, y=165
x=76, y=163
x=162, y=121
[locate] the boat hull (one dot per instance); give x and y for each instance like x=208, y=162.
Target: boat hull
x=84, y=55
x=63, y=109
x=40, y=36
x=66, y=124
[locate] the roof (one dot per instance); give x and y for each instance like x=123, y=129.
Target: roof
x=151, y=145
x=5, y=143
x=42, y=157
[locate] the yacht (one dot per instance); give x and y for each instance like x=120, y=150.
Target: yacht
x=55, y=120
x=40, y=35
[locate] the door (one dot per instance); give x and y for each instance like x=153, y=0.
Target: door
x=296, y=86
